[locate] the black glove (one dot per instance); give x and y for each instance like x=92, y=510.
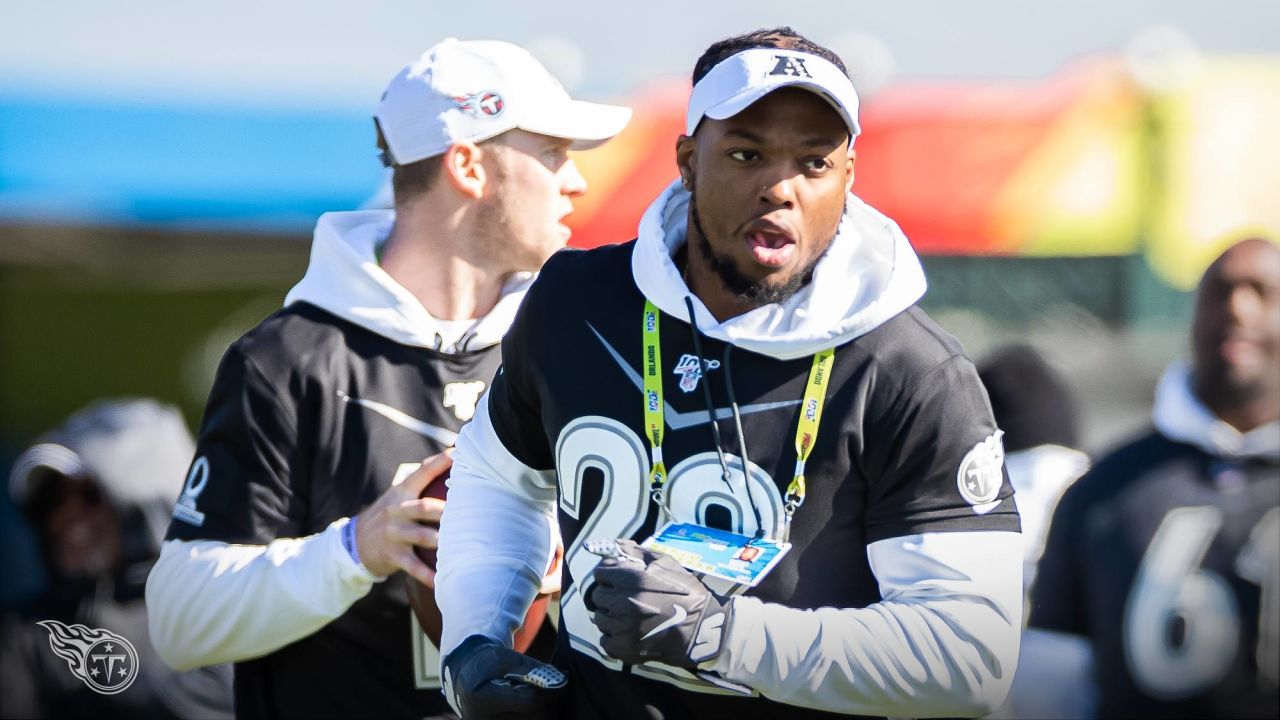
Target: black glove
x=648, y=607
x=483, y=679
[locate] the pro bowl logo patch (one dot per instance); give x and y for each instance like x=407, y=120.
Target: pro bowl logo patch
x=488, y=103
x=185, y=509
x=103, y=660
x=981, y=474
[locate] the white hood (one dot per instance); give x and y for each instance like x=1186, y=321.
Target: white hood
x=868, y=275
x=1180, y=416
x=344, y=278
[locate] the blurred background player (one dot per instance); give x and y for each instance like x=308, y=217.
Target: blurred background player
x=98, y=491
x=1166, y=555
x=1037, y=410
x=303, y=497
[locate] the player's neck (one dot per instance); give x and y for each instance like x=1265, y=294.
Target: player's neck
x=429, y=254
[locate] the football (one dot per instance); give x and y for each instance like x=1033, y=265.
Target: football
x=423, y=600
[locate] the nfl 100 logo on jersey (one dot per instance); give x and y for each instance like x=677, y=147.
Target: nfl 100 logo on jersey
x=690, y=372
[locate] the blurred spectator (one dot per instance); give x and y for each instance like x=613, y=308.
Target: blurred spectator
x=1166, y=555
x=1037, y=411
x=98, y=492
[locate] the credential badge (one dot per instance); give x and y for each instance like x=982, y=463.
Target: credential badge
x=981, y=474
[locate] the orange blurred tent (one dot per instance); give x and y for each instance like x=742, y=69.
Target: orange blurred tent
x=1071, y=165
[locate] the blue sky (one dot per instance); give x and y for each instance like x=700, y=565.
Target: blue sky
x=338, y=54
x=258, y=110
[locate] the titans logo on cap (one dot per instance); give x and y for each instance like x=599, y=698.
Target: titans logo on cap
x=488, y=102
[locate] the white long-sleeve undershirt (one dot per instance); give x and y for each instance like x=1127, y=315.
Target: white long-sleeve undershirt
x=210, y=602
x=943, y=641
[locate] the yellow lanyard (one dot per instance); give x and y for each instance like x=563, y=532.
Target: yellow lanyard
x=653, y=417
x=815, y=396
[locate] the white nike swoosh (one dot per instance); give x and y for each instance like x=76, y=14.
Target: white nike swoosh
x=679, y=420
x=676, y=618
x=446, y=437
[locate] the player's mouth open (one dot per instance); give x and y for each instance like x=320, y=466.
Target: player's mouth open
x=771, y=246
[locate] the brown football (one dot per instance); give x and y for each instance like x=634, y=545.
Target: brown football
x=423, y=600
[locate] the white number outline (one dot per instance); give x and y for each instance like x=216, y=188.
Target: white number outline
x=1259, y=563
x=1170, y=581
x=628, y=500
x=426, y=657
x=587, y=443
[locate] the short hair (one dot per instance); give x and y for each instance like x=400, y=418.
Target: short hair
x=410, y=179
x=782, y=38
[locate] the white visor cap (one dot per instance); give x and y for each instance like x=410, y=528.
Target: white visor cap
x=739, y=80
x=469, y=91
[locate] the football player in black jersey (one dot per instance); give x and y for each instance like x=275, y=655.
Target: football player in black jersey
x=753, y=369
x=1166, y=555
x=303, y=498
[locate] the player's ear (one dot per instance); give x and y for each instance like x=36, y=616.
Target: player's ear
x=686, y=155
x=849, y=163
x=462, y=168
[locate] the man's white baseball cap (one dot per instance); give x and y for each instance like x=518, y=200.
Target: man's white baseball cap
x=743, y=78
x=469, y=91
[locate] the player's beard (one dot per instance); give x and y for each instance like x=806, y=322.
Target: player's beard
x=1220, y=385
x=750, y=292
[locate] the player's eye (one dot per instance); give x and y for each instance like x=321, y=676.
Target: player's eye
x=816, y=164
x=556, y=156
x=744, y=155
